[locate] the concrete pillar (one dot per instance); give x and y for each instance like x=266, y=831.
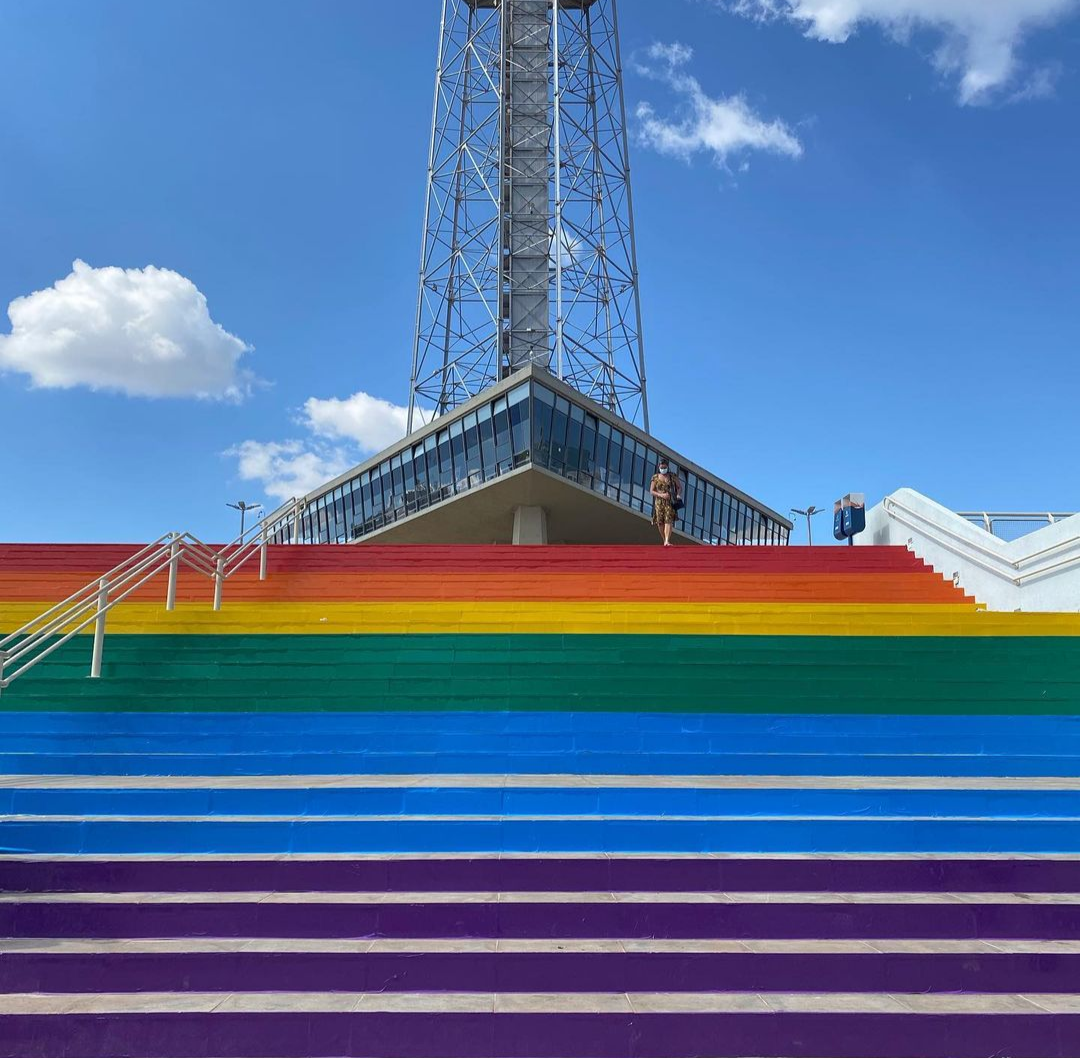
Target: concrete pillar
x=530, y=525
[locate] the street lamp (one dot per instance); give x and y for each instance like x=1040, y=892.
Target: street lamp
x=808, y=514
x=243, y=508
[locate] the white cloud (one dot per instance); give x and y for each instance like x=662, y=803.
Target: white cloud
x=145, y=332
x=360, y=425
x=288, y=468
x=1040, y=84
x=719, y=126
x=369, y=422
x=978, y=39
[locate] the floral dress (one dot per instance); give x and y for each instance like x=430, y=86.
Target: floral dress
x=663, y=508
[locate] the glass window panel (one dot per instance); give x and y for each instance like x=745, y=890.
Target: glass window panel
x=487, y=445
x=410, y=482
x=557, y=438
x=460, y=474
x=588, y=446
x=615, y=454
x=431, y=459
x=473, y=461
x=503, y=441
x=516, y=396
x=639, y=470
x=519, y=426
x=445, y=464
x=387, y=480
x=392, y=489
x=600, y=467
x=398, y=477
x=356, y=500
x=543, y=409
x=572, y=458
x=423, y=482
x=690, y=491
x=365, y=495
x=376, y=494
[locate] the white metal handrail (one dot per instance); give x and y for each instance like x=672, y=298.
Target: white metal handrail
x=24, y=648
x=987, y=518
x=1008, y=569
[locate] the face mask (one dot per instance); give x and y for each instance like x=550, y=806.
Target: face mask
x=663, y=470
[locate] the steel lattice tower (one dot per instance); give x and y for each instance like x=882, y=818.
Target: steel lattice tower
x=528, y=252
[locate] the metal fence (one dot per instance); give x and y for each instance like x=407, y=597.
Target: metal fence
x=1013, y=525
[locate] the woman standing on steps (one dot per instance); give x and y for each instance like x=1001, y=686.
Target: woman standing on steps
x=666, y=490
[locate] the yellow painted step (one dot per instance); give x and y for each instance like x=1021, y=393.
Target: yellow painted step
x=830, y=619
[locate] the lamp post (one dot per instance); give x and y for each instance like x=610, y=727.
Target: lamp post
x=808, y=514
x=243, y=508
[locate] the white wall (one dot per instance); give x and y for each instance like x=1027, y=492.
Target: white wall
x=1040, y=571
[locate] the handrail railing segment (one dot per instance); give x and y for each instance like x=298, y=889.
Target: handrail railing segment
x=990, y=520
x=24, y=648
x=1010, y=569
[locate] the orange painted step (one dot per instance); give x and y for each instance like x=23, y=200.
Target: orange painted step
x=353, y=586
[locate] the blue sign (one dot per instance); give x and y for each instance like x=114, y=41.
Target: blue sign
x=849, y=516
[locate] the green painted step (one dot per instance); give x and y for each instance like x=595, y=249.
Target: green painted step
x=743, y=674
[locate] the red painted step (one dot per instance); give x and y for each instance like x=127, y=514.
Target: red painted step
x=98, y=558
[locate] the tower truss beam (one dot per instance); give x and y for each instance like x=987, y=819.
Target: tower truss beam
x=529, y=253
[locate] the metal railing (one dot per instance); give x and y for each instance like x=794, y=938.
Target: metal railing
x=1015, y=570
x=24, y=648
x=1011, y=525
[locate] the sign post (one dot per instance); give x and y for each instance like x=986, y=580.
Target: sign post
x=849, y=517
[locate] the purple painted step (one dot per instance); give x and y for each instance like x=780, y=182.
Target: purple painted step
x=540, y=875
x=274, y=1035
x=543, y=920
x=537, y=972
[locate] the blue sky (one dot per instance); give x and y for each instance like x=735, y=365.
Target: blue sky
x=872, y=281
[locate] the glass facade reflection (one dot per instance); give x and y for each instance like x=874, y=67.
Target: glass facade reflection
x=531, y=424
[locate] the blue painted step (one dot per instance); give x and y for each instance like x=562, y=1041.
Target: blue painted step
x=517, y=835
x=434, y=800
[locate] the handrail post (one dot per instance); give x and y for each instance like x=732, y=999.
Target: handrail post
x=262, y=555
x=99, y=628
x=219, y=582
x=174, y=562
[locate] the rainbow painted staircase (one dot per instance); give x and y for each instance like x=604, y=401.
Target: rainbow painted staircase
x=541, y=803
